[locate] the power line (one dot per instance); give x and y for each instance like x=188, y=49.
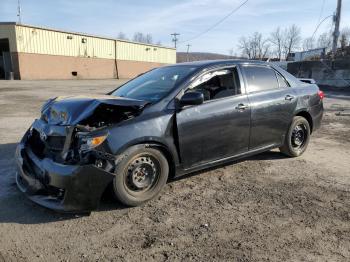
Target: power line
x=321, y=11
x=324, y=19
x=216, y=24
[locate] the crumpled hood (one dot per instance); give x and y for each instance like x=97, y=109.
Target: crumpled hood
x=71, y=110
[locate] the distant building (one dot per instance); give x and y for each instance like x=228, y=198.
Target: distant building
x=281, y=64
x=33, y=52
x=305, y=55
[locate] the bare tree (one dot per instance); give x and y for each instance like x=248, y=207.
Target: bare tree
x=277, y=40
x=138, y=37
x=244, y=45
x=149, y=39
x=345, y=37
x=230, y=52
x=122, y=35
x=308, y=43
x=254, y=47
x=325, y=40
x=254, y=42
x=292, y=39
x=143, y=38
x=262, y=45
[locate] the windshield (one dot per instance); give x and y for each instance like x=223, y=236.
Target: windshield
x=154, y=85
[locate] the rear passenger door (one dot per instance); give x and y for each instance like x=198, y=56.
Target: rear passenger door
x=272, y=103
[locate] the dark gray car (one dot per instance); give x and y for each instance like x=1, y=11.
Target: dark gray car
x=167, y=122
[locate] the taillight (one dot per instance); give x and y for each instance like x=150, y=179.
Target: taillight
x=321, y=94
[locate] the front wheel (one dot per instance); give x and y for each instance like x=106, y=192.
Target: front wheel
x=140, y=175
x=297, y=138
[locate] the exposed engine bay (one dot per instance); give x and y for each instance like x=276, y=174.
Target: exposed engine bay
x=71, y=129
x=106, y=115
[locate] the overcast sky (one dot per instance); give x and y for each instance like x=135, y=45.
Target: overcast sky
x=187, y=17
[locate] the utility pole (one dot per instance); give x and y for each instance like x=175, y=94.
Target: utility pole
x=19, y=12
x=336, y=28
x=175, y=39
x=188, y=49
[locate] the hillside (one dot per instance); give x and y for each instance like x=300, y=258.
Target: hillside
x=196, y=56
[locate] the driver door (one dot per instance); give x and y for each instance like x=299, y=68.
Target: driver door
x=219, y=127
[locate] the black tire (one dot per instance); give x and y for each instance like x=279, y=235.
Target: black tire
x=297, y=137
x=140, y=175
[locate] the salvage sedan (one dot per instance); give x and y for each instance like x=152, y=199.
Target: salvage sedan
x=165, y=123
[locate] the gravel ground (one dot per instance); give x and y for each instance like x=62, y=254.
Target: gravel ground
x=265, y=208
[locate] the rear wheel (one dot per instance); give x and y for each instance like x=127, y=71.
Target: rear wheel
x=297, y=138
x=140, y=175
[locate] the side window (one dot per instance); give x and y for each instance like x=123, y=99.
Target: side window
x=217, y=84
x=281, y=81
x=260, y=78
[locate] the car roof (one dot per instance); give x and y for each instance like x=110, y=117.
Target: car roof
x=209, y=63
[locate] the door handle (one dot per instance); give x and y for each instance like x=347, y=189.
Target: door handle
x=241, y=107
x=289, y=97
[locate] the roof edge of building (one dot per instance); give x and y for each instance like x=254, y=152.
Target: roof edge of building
x=83, y=34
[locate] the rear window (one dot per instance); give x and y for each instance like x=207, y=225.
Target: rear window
x=260, y=78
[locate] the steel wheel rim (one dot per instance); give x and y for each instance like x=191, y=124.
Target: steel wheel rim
x=299, y=136
x=142, y=173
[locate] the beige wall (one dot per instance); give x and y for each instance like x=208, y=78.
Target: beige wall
x=39, y=41
x=35, y=66
x=8, y=31
x=40, y=53
x=130, y=69
x=50, y=42
x=145, y=53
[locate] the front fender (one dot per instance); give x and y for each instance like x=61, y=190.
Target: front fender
x=158, y=129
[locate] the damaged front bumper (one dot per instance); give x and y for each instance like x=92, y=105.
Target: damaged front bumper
x=64, y=188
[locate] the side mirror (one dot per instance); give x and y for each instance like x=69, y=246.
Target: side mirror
x=191, y=98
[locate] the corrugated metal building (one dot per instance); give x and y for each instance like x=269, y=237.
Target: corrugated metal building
x=306, y=55
x=41, y=53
